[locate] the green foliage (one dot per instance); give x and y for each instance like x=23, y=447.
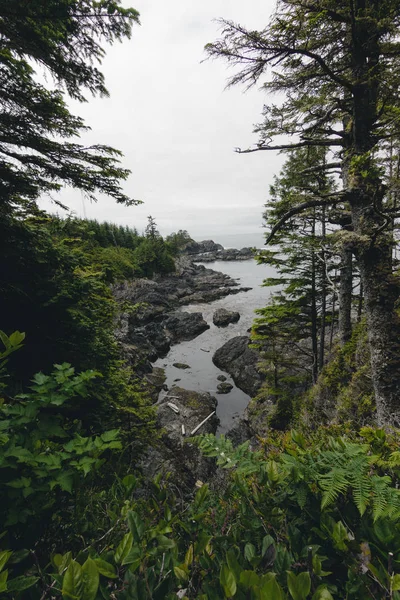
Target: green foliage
x=308, y=519
x=177, y=241
x=152, y=256
x=11, y=344
x=40, y=152
x=42, y=447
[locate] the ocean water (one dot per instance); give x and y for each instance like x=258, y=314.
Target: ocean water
x=202, y=375
x=237, y=240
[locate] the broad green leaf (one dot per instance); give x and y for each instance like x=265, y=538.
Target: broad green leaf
x=73, y=582
x=123, y=548
x=5, y=339
x=189, y=556
x=134, y=555
x=249, y=551
x=105, y=568
x=267, y=542
x=201, y=495
x=322, y=593
x=249, y=579
x=233, y=564
x=4, y=558
x=90, y=576
x=180, y=573
x=396, y=582
x=202, y=543
x=227, y=580
x=299, y=585
x=165, y=543
x=270, y=588
x=136, y=525
x=340, y=536
x=19, y=584
x=64, y=480
x=3, y=581
x=272, y=471
x=16, y=338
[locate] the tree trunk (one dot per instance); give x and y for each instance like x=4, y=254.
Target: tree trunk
x=373, y=236
x=345, y=294
x=323, y=295
x=380, y=294
x=314, y=315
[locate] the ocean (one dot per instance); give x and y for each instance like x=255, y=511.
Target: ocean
x=202, y=375
x=237, y=240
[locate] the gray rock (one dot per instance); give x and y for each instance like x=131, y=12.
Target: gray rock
x=221, y=378
x=155, y=382
x=224, y=388
x=223, y=317
x=236, y=358
x=173, y=454
x=202, y=247
x=185, y=326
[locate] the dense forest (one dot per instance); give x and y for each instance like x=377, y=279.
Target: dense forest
x=309, y=507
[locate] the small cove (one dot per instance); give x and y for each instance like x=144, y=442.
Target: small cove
x=202, y=375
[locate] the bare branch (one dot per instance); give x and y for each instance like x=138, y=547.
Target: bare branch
x=305, y=144
x=317, y=169
x=321, y=201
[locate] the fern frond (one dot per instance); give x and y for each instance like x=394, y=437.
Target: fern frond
x=333, y=483
x=361, y=483
x=379, y=496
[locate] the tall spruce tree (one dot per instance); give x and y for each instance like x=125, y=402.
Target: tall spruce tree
x=337, y=64
x=291, y=330
x=39, y=147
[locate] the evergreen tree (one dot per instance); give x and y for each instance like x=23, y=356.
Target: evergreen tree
x=339, y=72
x=291, y=330
x=39, y=151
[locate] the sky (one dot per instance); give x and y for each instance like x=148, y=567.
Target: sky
x=177, y=125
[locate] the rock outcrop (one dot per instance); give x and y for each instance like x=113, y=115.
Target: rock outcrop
x=151, y=321
x=173, y=454
x=202, y=247
x=181, y=326
x=209, y=251
x=223, y=317
x=236, y=358
x=224, y=388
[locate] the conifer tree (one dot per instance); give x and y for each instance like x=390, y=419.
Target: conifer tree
x=39, y=137
x=337, y=64
x=291, y=330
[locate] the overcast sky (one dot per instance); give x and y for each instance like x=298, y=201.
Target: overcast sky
x=170, y=115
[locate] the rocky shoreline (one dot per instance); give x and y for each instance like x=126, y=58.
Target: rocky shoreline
x=151, y=317
x=151, y=320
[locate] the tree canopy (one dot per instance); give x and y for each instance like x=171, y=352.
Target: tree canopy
x=336, y=64
x=39, y=137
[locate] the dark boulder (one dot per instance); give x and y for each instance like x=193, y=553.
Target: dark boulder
x=223, y=317
x=236, y=358
x=185, y=326
x=224, y=388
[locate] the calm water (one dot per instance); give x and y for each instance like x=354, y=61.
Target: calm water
x=202, y=375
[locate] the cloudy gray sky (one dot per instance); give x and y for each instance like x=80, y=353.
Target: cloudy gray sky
x=177, y=126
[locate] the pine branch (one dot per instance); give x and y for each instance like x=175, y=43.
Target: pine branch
x=321, y=201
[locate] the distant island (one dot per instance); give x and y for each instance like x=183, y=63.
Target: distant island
x=210, y=251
